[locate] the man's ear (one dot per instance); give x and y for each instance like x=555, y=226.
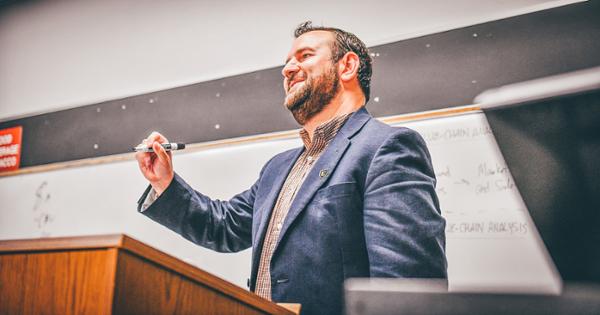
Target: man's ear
x=348, y=66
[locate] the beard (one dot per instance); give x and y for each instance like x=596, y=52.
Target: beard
x=311, y=98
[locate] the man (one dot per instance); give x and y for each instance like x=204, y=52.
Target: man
x=358, y=200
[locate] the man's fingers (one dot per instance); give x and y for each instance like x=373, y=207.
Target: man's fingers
x=162, y=154
x=155, y=136
x=153, y=139
x=140, y=155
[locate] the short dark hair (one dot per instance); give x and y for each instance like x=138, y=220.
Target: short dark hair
x=345, y=42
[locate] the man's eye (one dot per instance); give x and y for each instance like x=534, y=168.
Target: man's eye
x=304, y=56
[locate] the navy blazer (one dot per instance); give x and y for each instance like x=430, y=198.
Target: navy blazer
x=368, y=208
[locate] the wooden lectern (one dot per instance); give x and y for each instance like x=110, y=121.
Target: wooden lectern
x=113, y=274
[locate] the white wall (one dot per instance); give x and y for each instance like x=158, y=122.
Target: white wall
x=61, y=54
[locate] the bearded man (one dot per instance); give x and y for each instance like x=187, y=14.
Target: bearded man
x=357, y=200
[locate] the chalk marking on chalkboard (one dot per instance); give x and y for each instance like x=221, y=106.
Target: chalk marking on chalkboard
x=487, y=228
x=462, y=181
x=41, y=199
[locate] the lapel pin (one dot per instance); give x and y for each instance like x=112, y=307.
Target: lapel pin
x=323, y=173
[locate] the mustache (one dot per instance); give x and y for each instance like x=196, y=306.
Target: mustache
x=294, y=77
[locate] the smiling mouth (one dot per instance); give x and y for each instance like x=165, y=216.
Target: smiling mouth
x=291, y=85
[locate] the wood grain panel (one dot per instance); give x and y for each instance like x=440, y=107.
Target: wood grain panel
x=143, y=287
x=199, y=276
x=74, y=282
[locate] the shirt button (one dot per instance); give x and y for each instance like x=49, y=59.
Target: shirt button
x=309, y=158
x=279, y=226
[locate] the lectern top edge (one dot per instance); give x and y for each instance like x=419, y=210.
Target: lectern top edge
x=63, y=243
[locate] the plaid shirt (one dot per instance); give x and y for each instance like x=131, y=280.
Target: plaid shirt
x=323, y=134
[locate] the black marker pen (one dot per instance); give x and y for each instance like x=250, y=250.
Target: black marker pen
x=167, y=146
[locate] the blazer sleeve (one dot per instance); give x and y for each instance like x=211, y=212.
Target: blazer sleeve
x=223, y=226
x=404, y=229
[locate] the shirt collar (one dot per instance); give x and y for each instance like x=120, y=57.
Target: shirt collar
x=325, y=131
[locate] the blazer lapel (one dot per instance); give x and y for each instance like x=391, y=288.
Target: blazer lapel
x=282, y=168
x=323, y=168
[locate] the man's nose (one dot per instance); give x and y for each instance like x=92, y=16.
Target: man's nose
x=290, y=68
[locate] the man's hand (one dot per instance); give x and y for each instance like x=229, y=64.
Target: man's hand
x=156, y=166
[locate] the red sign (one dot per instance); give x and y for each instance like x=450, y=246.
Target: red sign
x=10, y=148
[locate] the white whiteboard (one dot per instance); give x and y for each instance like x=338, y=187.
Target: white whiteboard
x=491, y=243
